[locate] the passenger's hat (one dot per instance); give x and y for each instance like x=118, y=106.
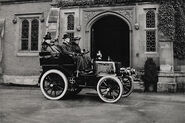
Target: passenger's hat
x=47, y=36
x=77, y=38
x=65, y=36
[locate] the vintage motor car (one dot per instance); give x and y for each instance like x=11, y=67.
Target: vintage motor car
x=58, y=78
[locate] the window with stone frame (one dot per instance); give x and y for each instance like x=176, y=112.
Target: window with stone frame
x=151, y=30
x=70, y=22
x=70, y=25
x=71, y=35
x=29, y=34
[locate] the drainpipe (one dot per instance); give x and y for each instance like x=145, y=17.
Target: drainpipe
x=78, y=28
x=136, y=21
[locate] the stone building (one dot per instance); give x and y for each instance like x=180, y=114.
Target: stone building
x=122, y=30
x=19, y=49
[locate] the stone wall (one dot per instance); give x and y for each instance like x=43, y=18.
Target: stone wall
x=15, y=63
x=180, y=81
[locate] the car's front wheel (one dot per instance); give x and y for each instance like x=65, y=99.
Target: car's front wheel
x=109, y=89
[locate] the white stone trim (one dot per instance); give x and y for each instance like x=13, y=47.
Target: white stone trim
x=31, y=54
x=22, y=80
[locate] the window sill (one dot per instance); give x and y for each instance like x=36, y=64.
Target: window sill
x=151, y=53
x=28, y=54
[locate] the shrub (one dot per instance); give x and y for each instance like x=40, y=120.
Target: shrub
x=150, y=76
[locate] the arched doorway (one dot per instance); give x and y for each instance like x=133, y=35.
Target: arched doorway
x=110, y=35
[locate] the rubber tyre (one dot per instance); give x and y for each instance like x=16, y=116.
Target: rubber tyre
x=109, y=89
x=127, y=86
x=53, y=80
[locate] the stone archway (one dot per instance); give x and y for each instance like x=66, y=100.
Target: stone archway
x=123, y=15
x=110, y=35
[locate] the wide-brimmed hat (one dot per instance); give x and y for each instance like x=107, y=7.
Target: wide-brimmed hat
x=47, y=36
x=65, y=36
x=77, y=38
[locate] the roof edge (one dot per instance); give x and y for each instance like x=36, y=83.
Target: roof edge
x=22, y=1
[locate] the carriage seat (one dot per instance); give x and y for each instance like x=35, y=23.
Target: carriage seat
x=46, y=58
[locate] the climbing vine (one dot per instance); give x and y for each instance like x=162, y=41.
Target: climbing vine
x=179, y=37
x=172, y=24
x=166, y=20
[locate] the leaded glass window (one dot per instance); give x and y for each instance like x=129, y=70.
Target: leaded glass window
x=150, y=30
x=151, y=41
x=30, y=34
x=34, y=34
x=71, y=35
x=150, y=19
x=70, y=22
x=25, y=35
x=70, y=30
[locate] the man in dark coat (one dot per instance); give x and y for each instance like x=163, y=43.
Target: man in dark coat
x=83, y=61
x=72, y=48
x=66, y=45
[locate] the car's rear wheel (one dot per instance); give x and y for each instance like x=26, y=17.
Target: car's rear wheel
x=53, y=84
x=127, y=86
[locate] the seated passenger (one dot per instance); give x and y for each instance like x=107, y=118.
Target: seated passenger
x=72, y=48
x=83, y=61
x=66, y=45
x=51, y=45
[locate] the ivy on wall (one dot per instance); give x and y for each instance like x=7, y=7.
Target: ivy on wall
x=166, y=20
x=172, y=24
x=179, y=37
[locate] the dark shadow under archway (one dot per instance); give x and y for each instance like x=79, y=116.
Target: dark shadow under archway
x=110, y=35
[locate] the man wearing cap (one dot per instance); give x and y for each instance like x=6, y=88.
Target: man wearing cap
x=75, y=45
x=83, y=61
